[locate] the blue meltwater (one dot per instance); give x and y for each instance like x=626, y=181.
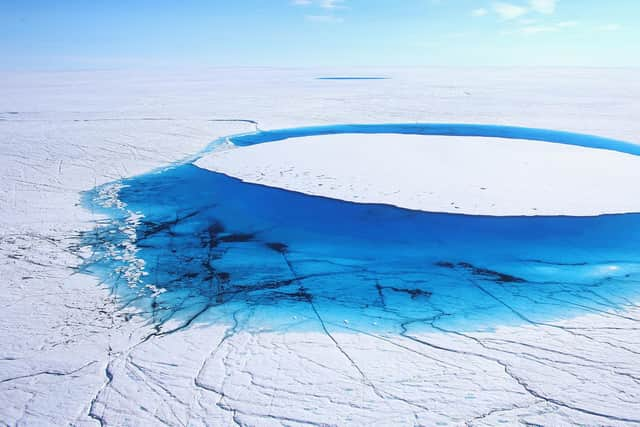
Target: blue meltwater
x=197, y=246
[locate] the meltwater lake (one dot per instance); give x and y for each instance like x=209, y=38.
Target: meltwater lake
x=190, y=244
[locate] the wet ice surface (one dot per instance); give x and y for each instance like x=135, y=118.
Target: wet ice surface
x=184, y=240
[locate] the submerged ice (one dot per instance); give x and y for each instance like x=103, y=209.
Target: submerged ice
x=183, y=243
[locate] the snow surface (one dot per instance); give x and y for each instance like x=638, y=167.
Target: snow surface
x=470, y=175
x=73, y=354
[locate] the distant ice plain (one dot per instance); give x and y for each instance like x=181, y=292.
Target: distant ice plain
x=71, y=354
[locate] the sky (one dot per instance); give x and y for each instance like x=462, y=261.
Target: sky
x=88, y=34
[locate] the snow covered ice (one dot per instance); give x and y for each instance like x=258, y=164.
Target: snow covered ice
x=140, y=289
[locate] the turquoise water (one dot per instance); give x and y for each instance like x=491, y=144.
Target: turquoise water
x=226, y=251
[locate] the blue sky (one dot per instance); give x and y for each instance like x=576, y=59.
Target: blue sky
x=69, y=34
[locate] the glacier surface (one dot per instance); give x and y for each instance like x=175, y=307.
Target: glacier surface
x=77, y=350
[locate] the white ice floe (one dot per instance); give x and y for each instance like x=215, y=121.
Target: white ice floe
x=470, y=175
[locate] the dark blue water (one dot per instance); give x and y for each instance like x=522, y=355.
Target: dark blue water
x=226, y=251
x=352, y=78
x=507, y=132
